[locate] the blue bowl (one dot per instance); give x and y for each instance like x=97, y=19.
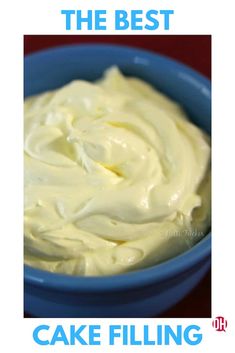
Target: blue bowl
x=143, y=293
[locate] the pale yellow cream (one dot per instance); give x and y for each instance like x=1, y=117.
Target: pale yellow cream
x=116, y=178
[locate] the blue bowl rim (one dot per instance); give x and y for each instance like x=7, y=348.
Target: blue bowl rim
x=174, y=63
x=155, y=274
x=138, y=278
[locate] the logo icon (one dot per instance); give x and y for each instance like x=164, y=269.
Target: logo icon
x=219, y=323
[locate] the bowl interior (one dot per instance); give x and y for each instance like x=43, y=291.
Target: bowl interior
x=53, y=68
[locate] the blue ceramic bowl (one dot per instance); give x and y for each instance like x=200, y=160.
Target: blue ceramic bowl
x=143, y=293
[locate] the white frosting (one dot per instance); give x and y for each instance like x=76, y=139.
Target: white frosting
x=116, y=178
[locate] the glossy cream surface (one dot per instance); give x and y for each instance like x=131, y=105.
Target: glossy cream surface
x=116, y=178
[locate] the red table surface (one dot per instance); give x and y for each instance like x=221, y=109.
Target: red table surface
x=193, y=50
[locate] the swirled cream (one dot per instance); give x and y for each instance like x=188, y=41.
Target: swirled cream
x=116, y=178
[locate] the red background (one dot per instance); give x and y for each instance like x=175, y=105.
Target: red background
x=193, y=50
